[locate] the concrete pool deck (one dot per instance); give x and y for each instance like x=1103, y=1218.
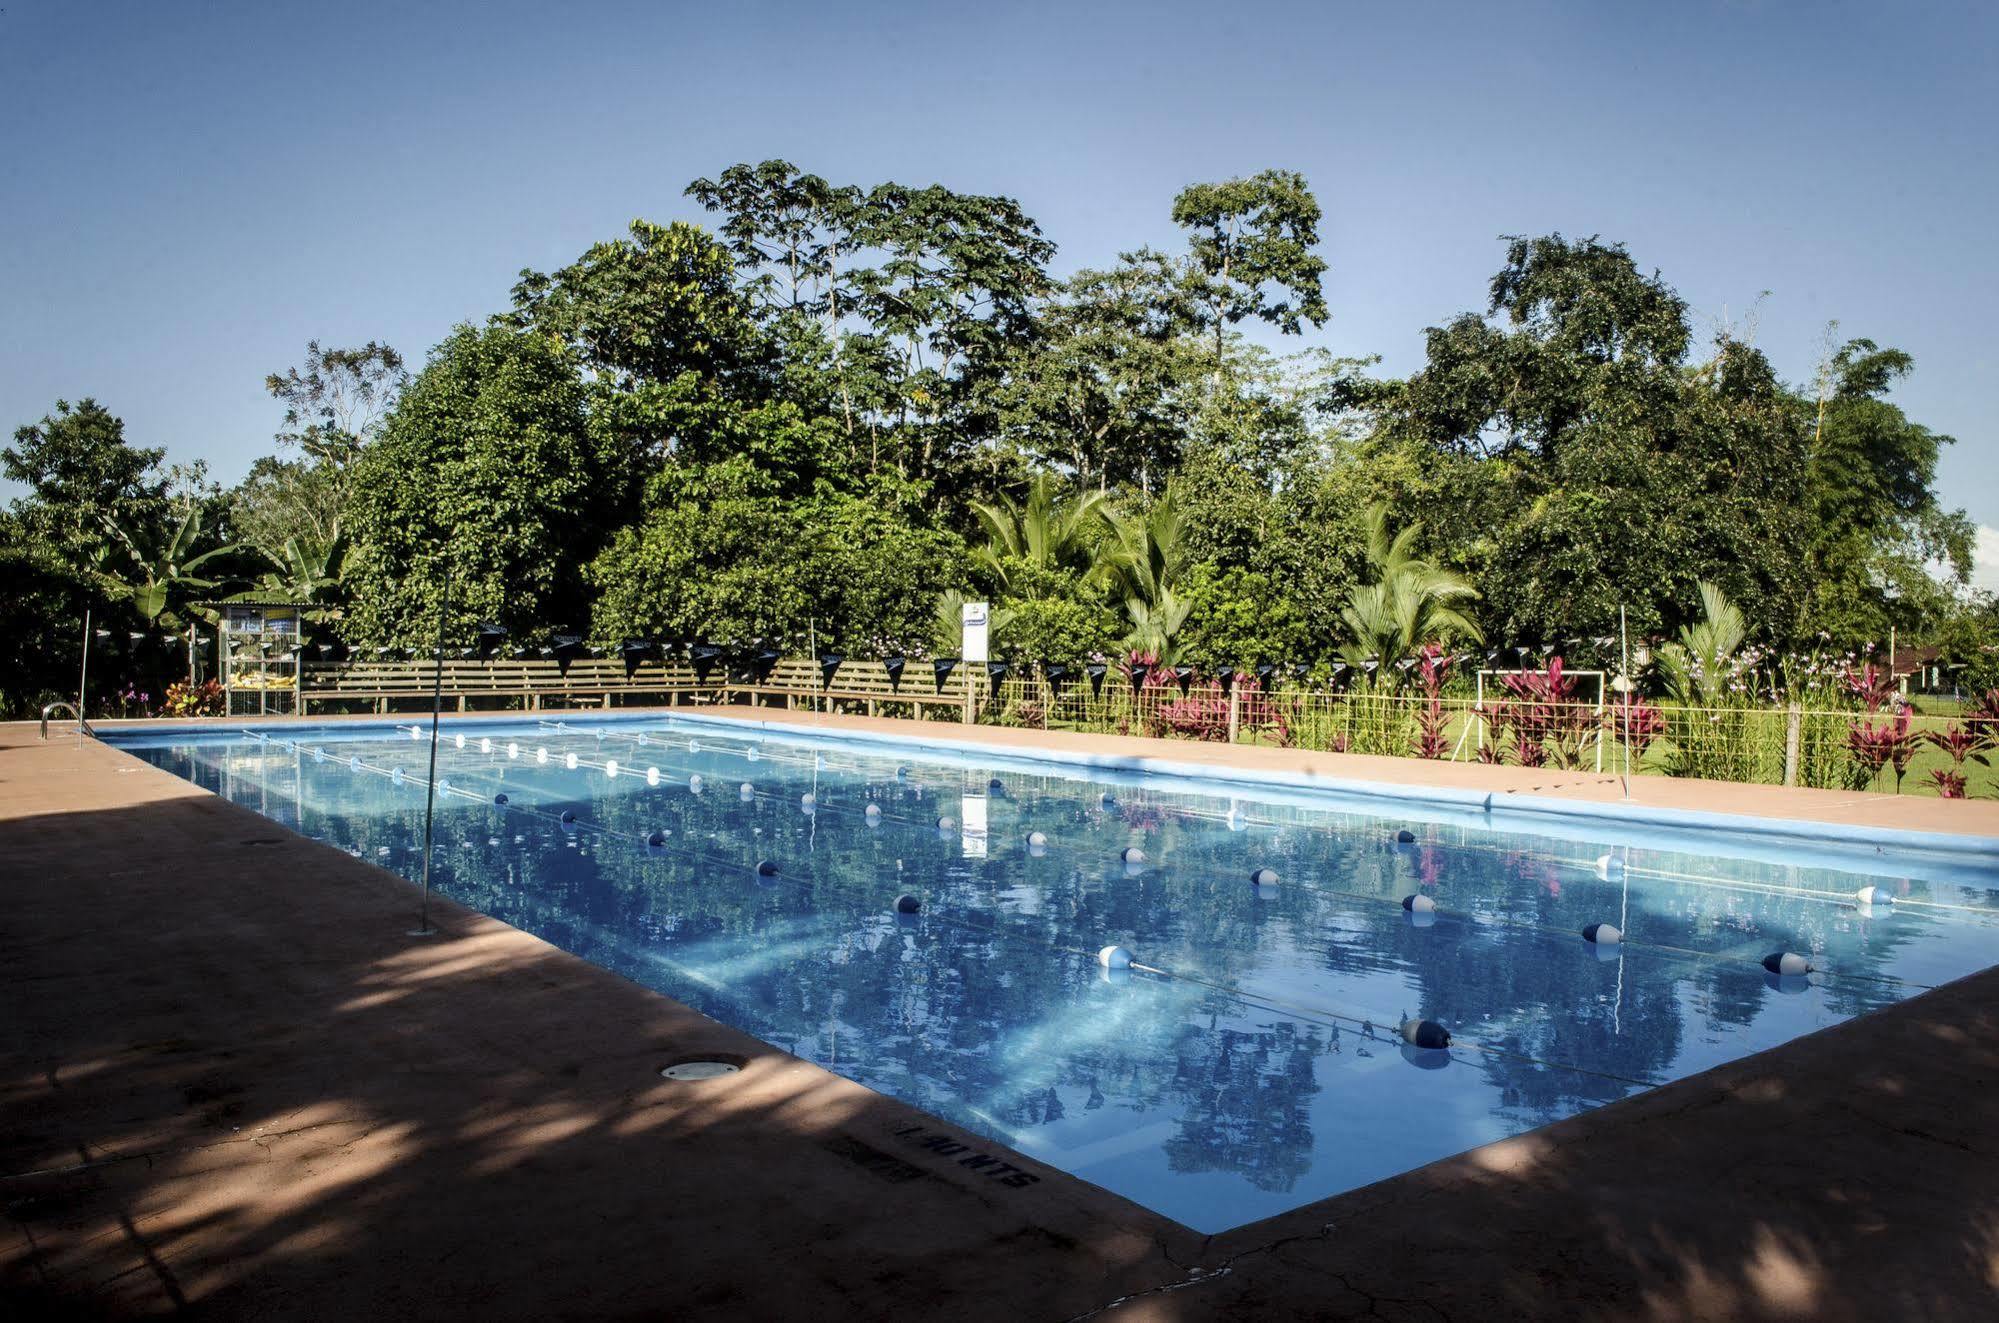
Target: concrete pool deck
x=231, y=1098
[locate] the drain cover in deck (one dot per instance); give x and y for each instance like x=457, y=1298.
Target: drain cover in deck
x=700, y=1070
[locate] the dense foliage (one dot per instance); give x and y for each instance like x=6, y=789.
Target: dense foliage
x=851, y=406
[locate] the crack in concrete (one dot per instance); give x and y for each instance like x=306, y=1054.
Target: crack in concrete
x=1198, y=1278
x=1197, y=1275
x=147, y=1155
x=1375, y=1302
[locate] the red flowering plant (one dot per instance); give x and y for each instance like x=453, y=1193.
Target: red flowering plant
x=1983, y=719
x=1548, y=722
x=1961, y=744
x=1874, y=687
x=1201, y=713
x=1890, y=743
x=1636, y=722
x=1432, y=665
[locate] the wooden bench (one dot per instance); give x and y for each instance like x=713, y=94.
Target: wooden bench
x=532, y=683
x=860, y=686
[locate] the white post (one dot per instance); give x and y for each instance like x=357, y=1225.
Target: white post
x=1624, y=695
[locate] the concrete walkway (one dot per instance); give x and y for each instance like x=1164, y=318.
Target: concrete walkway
x=232, y=1086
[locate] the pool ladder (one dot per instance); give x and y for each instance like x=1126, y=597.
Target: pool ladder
x=82, y=726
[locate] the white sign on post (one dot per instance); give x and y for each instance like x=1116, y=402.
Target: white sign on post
x=975, y=633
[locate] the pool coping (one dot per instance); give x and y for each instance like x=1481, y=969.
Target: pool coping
x=1679, y=1189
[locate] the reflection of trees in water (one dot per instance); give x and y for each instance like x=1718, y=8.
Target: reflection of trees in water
x=1246, y=1098
x=990, y=999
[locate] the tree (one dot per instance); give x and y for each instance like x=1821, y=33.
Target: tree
x=1252, y=242
x=79, y=470
x=336, y=405
x=486, y=471
x=1877, y=524
x=734, y=560
x=1108, y=389
x=950, y=296
x=1574, y=462
x=659, y=308
x=1589, y=336
x=787, y=231
x=41, y=617
x=285, y=500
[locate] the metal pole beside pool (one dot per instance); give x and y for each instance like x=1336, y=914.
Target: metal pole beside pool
x=423, y=928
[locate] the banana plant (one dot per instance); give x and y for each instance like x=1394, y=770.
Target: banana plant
x=159, y=566
x=307, y=570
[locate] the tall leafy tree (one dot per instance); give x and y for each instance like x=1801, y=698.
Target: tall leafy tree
x=948, y=292
x=1108, y=390
x=41, y=617
x=487, y=472
x=285, y=500
x=788, y=231
x=79, y=469
x=1252, y=242
x=666, y=343
x=658, y=307
x=1877, y=522
x=336, y=403
x=1574, y=461
x=722, y=554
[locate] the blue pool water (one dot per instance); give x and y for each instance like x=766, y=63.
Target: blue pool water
x=1252, y=1065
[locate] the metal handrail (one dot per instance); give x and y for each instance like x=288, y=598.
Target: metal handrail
x=81, y=725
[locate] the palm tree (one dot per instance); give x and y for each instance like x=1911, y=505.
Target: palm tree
x=1147, y=558
x=1411, y=601
x=161, y=565
x=1046, y=531
x=1700, y=665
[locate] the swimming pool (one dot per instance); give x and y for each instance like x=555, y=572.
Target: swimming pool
x=1251, y=1058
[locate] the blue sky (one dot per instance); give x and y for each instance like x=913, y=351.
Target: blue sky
x=192, y=191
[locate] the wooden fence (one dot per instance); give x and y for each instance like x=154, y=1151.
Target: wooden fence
x=1788, y=746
